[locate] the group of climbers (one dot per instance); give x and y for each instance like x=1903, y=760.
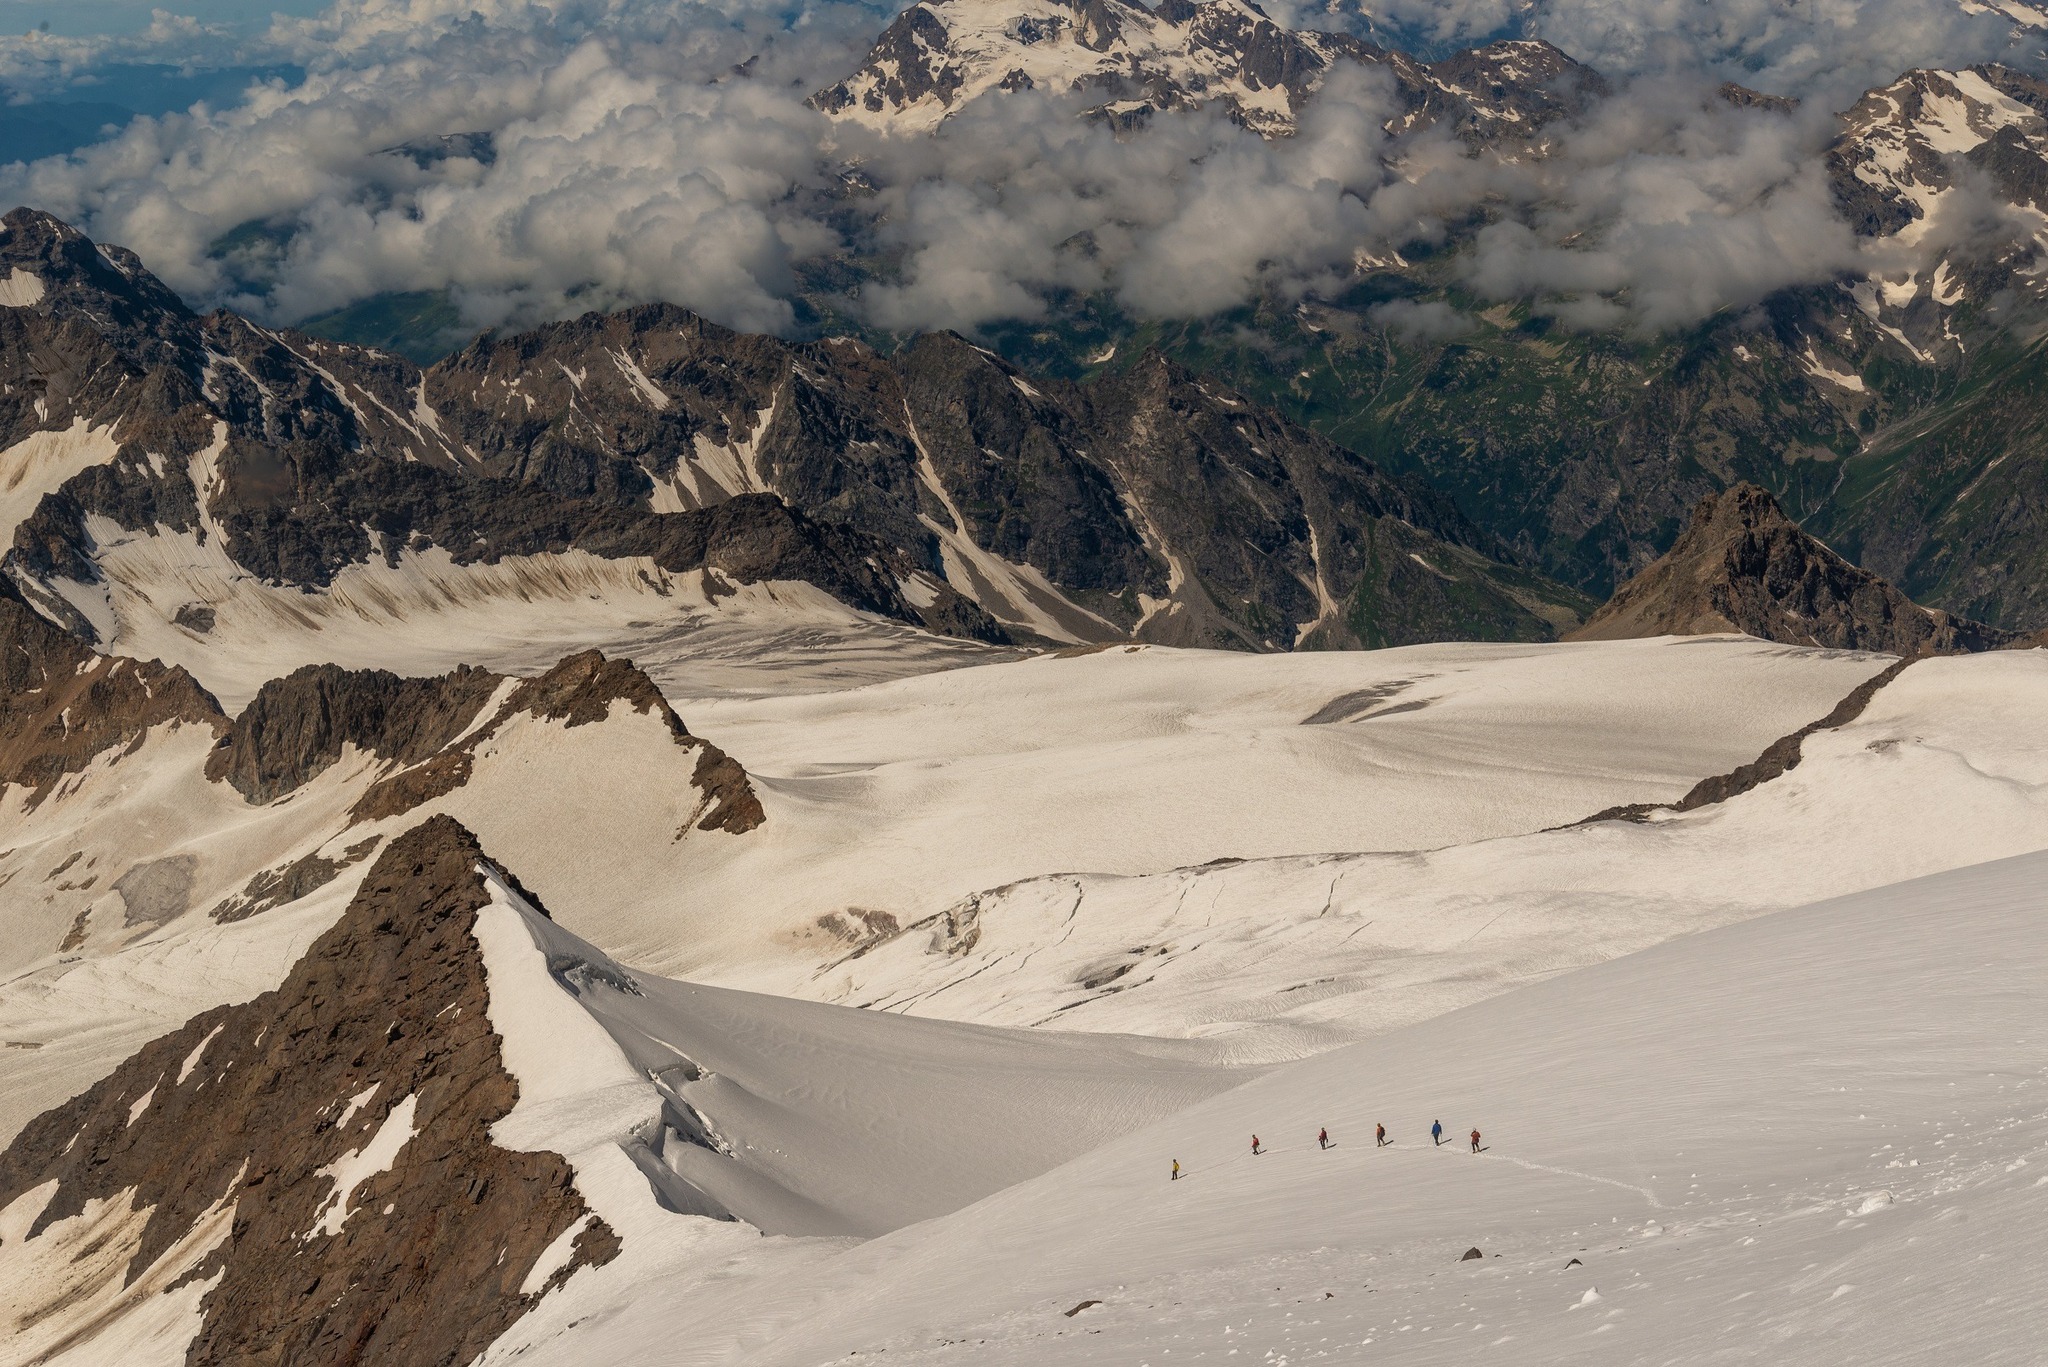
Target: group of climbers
x=1380, y=1141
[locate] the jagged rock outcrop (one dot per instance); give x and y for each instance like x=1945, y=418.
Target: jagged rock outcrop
x=939, y=486
x=313, y=1171
x=61, y=704
x=1742, y=565
x=308, y=457
x=1148, y=501
x=428, y=732
x=296, y=726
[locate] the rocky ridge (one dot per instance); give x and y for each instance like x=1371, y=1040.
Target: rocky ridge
x=118, y=403
x=427, y=732
x=358, y=1210
x=1147, y=503
x=1741, y=565
x=62, y=705
x=938, y=486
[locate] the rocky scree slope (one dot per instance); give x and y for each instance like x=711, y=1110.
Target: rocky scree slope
x=120, y=408
x=1741, y=565
x=939, y=486
x=61, y=704
x=1148, y=503
x=356, y=1210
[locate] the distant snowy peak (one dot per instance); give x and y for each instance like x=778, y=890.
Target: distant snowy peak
x=941, y=55
x=2023, y=15
x=1894, y=160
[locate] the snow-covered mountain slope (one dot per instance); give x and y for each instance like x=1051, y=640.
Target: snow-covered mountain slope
x=450, y=1101
x=701, y=632
x=1943, y=767
x=888, y=804
x=881, y=806
x=800, y=1118
x=941, y=55
x=1815, y=1138
x=188, y=865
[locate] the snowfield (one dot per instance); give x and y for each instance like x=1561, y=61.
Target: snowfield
x=891, y=803
x=1129, y=906
x=695, y=633
x=1815, y=1138
x=1947, y=766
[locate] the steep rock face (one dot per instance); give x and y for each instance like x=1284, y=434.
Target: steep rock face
x=1272, y=531
x=356, y=1210
x=1067, y=512
x=1742, y=565
x=296, y=726
x=941, y=55
x=306, y=458
x=428, y=732
x=61, y=704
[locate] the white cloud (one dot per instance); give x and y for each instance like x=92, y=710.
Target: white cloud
x=631, y=163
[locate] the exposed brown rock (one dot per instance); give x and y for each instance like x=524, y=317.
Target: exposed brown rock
x=576, y=692
x=296, y=726
x=1780, y=757
x=730, y=802
x=414, y=787
x=427, y=1266
x=581, y=689
x=61, y=704
x=275, y=887
x=1741, y=565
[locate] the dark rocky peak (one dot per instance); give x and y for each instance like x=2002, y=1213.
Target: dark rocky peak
x=580, y=691
x=427, y=153
x=582, y=688
x=87, y=334
x=1503, y=92
x=604, y=406
x=297, y=726
x=61, y=705
x=312, y=1172
x=1742, y=97
x=1741, y=565
x=49, y=266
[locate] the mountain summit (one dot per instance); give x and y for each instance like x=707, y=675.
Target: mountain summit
x=1742, y=565
x=941, y=55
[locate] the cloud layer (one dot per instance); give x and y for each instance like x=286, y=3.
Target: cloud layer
x=630, y=161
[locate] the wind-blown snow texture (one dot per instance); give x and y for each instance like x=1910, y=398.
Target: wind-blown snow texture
x=1819, y=1137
